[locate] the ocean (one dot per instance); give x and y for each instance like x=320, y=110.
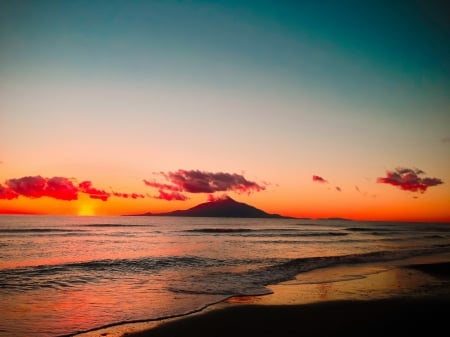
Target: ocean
x=60, y=275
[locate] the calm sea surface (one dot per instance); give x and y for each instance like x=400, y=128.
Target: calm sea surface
x=60, y=275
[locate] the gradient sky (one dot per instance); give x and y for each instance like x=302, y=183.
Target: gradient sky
x=330, y=109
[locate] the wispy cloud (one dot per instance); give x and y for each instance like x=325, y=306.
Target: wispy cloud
x=409, y=180
x=169, y=196
x=94, y=193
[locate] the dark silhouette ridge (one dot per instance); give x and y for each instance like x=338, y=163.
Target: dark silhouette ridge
x=222, y=208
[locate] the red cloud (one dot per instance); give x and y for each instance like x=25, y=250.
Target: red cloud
x=121, y=195
x=57, y=187
x=37, y=186
x=319, y=179
x=7, y=193
x=86, y=187
x=409, y=180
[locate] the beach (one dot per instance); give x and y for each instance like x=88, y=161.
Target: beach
x=396, y=299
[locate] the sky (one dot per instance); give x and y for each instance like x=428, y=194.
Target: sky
x=302, y=108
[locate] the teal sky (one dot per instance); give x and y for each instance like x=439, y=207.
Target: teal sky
x=278, y=89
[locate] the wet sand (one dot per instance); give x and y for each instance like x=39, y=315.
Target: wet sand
x=394, y=299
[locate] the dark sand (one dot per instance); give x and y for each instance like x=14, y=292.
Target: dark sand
x=390, y=317
x=399, y=316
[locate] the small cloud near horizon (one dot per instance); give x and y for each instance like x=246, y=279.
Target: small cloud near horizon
x=409, y=180
x=195, y=181
x=444, y=140
x=319, y=179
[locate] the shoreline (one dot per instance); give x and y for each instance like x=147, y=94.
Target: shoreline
x=405, y=284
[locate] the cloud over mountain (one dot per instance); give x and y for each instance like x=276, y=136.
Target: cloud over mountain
x=195, y=181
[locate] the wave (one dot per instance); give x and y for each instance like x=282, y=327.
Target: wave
x=265, y=232
x=38, y=230
x=33, y=277
x=219, y=230
x=115, y=225
x=254, y=282
x=201, y=275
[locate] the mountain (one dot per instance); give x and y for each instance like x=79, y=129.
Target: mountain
x=222, y=208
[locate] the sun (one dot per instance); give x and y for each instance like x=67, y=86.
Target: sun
x=86, y=210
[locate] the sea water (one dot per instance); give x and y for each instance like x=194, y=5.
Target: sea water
x=60, y=275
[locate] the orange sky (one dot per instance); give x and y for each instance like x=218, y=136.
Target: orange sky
x=268, y=95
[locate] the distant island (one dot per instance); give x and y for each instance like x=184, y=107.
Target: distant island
x=222, y=208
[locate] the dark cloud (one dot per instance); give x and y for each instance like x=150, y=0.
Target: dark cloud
x=128, y=195
x=338, y=189
x=409, y=180
x=212, y=197
x=121, y=195
x=94, y=193
x=446, y=140
x=162, y=186
x=171, y=195
x=7, y=193
x=195, y=181
x=319, y=179
x=36, y=187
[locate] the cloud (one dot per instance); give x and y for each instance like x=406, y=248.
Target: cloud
x=60, y=188
x=121, y=195
x=338, y=189
x=128, y=195
x=409, y=180
x=36, y=187
x=446, y=140
x=195, y=181
x=319, y=179
x=162, y=186
x=212, y=197
x=7, y=193
x=86, y=187
x=170, y=196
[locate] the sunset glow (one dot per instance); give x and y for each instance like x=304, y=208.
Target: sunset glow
x=86, y=210
x=116, y=108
